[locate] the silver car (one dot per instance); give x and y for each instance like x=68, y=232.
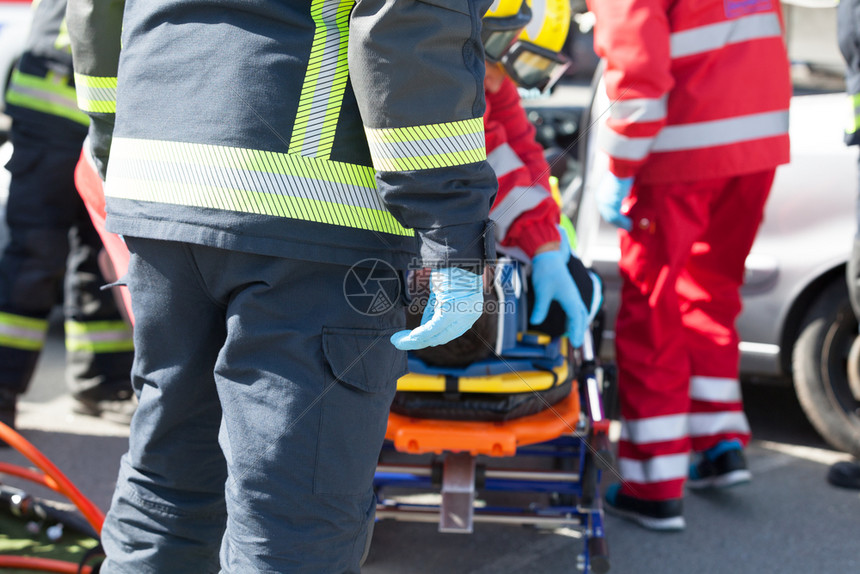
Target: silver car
x=797, y=326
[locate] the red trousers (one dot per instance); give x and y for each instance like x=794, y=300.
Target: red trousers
x=682, y=266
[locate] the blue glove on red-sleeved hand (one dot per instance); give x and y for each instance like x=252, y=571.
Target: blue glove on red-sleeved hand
x=611, y=194
x=552, y=281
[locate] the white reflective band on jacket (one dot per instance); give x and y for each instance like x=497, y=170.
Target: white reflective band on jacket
x=697, y=135
x=722, y=132
x=713, y=424
x=656, y=469
x=715, y=36
x=24, y=333
x=715, y=389
x=655, y=429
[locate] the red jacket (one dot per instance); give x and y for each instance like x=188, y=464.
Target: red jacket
x=701, y=88
x=525, y=213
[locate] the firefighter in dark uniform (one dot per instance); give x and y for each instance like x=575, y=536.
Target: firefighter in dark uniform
x=847, y=473
x=52, y=251
x=272, y=164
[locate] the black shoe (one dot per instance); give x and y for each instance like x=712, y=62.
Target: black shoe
x=119, y=408
x=720, y=467
x=845, y=474
x=8, y=409
x=664, y=515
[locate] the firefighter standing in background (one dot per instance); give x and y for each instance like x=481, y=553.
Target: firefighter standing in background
x=847, y=473
x=264, y=152
x=53, y=248
x=698, y=123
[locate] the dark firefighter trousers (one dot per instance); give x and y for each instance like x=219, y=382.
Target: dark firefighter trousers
x=263, y=402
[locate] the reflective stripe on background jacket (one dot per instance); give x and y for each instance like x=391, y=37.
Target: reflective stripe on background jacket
x=42, y=82
x=700, y=88
x=239, y=124
x=848, y=32
x=94, y=27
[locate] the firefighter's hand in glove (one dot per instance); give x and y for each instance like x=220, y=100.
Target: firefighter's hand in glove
x=552, y=282
x=456, y=301
x=610, y=195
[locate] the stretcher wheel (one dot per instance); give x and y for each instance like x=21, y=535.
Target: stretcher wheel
x=598, y=555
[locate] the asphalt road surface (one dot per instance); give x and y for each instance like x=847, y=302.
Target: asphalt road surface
x=788, y=520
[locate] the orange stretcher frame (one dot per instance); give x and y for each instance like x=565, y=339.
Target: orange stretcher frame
x=498, y=439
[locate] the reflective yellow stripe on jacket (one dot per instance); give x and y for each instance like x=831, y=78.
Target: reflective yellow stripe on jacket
x=427, y=147
x=96, y=94
x=249, y=181
x=854, y=123
x=24, y=333
x=325, y=80
x=99, y=336
x=50, y=95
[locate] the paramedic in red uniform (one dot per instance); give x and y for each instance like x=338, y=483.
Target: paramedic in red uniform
x=525, y=214
x=697, y=125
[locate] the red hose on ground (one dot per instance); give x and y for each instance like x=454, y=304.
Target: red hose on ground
x=65, y=487
x=41, y=564
x=30, y=474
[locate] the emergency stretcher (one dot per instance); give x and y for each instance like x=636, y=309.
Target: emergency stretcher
x=528, y=419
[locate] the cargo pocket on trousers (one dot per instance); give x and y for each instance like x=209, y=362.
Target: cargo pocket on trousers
x=363, y=370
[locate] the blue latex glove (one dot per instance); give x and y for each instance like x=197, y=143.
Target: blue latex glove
x=566, y=244
x=456, y=301
x=611, y=193
x=552, y=282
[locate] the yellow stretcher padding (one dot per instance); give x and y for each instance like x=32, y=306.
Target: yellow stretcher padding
x=542, y=338
x=516, y=382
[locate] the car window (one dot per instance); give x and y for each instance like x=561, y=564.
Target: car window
x=810, y=36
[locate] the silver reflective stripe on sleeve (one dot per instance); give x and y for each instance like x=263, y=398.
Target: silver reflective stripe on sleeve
x=504, y=160
x=622, y=147
x=427, y=146
x=96, y=94
x=715, y=36
x=639, y=109
x=515, y=203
